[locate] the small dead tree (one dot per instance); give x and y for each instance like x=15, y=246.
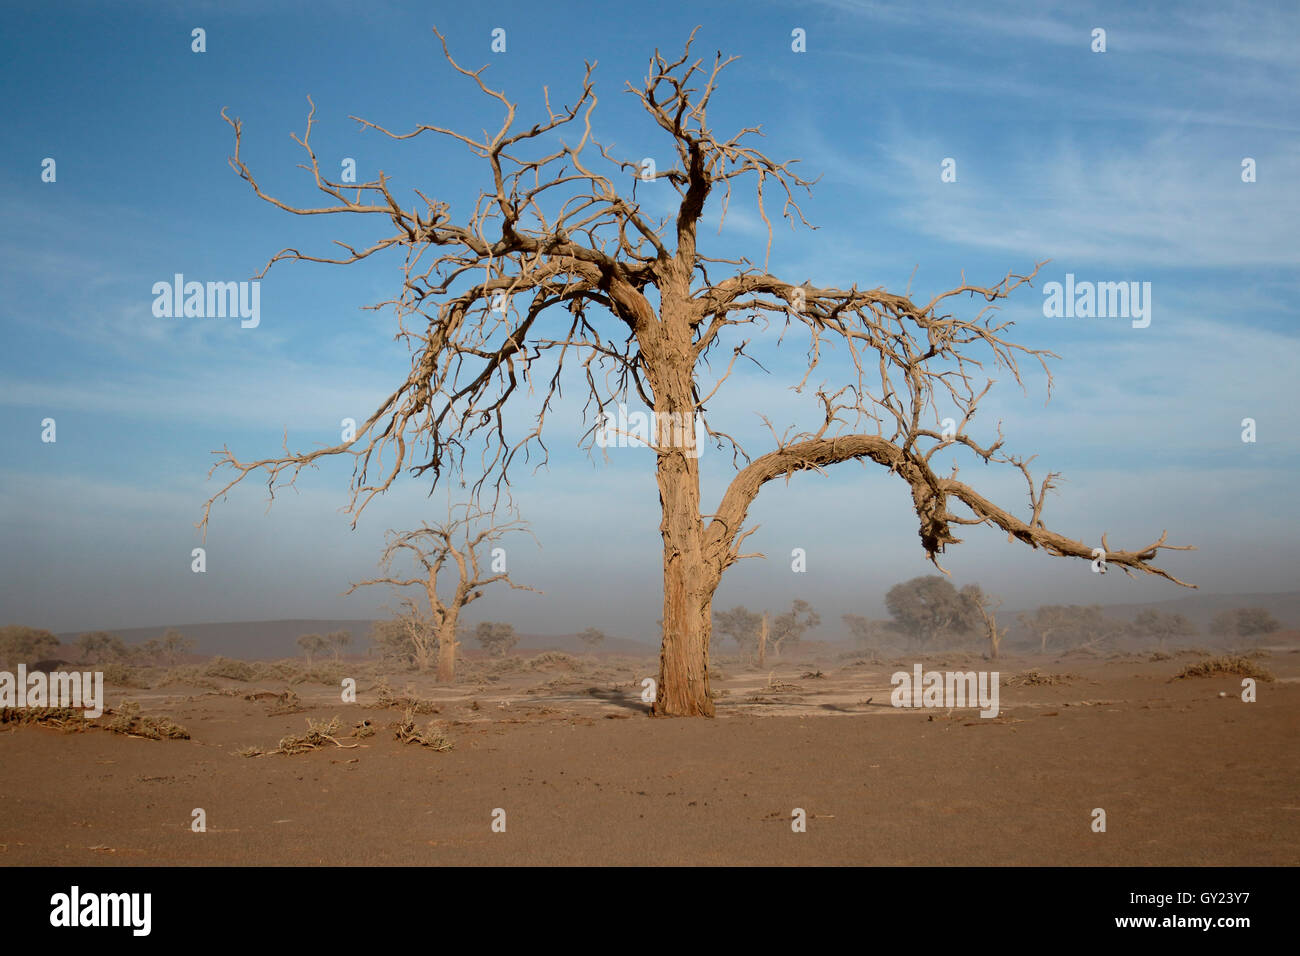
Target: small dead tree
x=593, y=637
x=495, y=637
x=311, y=645
x=338, y=641
x=174, y=644
x=559, y=264
x=409, y=637
x=456, y=545
x=790, y=627
x=868, y=634
x=101, y=646
x=747, y=629
x=986, y=607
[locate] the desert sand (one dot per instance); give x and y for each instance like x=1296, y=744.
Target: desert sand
x=1187, y=773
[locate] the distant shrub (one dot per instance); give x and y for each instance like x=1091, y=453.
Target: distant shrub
x=189, y=676
x=124, y=676
x=274, y=670
x=546, y=661
x=1227, y=666
x=229, y=669
x=326, y=673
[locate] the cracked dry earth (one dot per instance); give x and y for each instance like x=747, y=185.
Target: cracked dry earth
x=1186, y=776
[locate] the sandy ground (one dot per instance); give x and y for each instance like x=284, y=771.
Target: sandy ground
x=1186, y=777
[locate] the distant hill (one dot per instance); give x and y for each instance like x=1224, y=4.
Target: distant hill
x=1201, y=608
x=252, y=640
x=268, y=640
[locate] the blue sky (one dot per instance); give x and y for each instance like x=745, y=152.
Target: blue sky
x=1117, y=166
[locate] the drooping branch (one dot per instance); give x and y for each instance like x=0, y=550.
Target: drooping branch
x=930, y=495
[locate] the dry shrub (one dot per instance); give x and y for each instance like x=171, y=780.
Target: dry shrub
x=120, y=675
x=1225, y=666
x=431, y=736
x=130, y=722
x=189, y=676
x=387, y=700
x=318, y=735
x=67, y=719
x=1035, y=678
x=546, y=661
x=274, y=670
x=229, y=669
x=328, y=674
x=1083, y=650
x=287, y=702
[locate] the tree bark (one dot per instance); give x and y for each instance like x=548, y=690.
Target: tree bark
x=447, y=646
x=684, y=656
x=762, y=642
x=689, y=580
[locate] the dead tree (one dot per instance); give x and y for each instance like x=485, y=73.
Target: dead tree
x=986, y=607
x=635, y=307
x=453, y=544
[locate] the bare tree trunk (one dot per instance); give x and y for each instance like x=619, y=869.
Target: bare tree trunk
x=762, y=642
x=447, y=647
x=689, y=583
x=684, y=656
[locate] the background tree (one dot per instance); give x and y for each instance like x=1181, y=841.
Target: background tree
x=174, y=644
x=558, y=228
x=456, y=545
x=592, y=637
x=408, y=638
x=101, y=646
x=1162, y=626
x=148, y=652
x=20, y=644
x=741, y=625
x=1243, y=624
x=790, y=627
x=311, y=645
x=985, y=608
x=868, y=634
x=496, y=638
x=928, y=607
x=1045, y=622
x=1072, y=626
x=338, y=641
